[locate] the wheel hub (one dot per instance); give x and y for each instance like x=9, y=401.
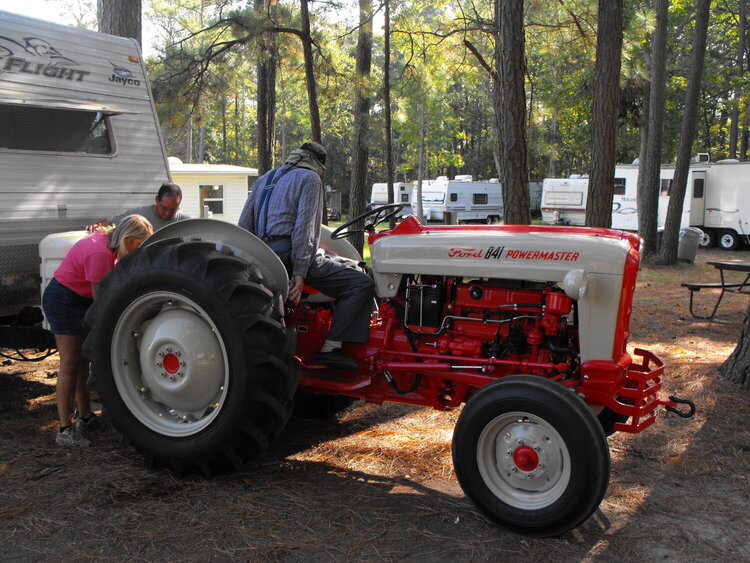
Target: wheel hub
x=523, y=460
x=182, y=361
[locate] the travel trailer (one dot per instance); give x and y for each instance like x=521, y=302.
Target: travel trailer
x=79, y=141
x=465, y=199
x=404, y=194
x=717, y=200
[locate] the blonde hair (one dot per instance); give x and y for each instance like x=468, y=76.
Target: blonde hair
x=132, y=226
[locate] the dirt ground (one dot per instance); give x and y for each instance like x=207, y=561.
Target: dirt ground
x=377, y=484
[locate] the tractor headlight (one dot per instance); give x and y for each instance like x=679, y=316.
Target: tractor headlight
x=575, y=284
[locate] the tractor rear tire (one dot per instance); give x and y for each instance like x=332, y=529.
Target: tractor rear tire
x=531, y=455
x=191, y=357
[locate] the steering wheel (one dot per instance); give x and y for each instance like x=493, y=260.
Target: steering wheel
x=378, y=214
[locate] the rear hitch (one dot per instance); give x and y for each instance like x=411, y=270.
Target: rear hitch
x=675, y=401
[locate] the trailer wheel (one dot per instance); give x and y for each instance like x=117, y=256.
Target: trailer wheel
x=708, y=240
x=531, y=455
x=191, y=357
x=729, y=240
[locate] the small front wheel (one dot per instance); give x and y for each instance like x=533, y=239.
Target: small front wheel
x=531, y=455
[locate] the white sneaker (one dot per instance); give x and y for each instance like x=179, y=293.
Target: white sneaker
x=71, y=436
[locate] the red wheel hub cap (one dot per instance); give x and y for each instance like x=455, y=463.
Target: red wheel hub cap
x=171, y=363
x=525, y=458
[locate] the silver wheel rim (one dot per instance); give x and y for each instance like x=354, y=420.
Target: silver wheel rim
x=727, y=241
x=169, y=364
x=523, y=460
x=705, y=240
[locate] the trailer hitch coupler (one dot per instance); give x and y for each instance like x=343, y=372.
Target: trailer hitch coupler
x=677, y=411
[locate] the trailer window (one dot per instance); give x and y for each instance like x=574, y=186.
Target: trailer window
x=454, y=197
x=619, y=186
x=213, y=197
x=404, y=198
x=54, y=130
x=480, y=199
x=666, y=186
x=698, y=187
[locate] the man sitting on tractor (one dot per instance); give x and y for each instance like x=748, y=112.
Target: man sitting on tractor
x=285, y=210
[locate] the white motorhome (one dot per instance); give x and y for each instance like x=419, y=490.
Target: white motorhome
x=465, y=199
x=79, y=140
x=564, y=199
x=403, y=192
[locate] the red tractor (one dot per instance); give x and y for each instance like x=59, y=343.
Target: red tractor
x=199, y=360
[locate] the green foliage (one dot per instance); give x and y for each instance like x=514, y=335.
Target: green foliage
x=433, y=73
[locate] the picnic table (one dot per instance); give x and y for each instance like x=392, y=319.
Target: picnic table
x=725, y=286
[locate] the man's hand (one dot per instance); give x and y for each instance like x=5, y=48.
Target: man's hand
x=96, y=226
x=295, y=288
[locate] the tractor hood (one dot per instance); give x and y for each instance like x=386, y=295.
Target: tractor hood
x=523, y=252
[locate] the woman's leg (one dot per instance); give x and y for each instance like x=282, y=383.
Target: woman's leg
x=69, y=349
x=83, y=397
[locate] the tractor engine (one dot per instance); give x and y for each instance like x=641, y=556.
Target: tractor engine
x=522, y=321
x=527, y=325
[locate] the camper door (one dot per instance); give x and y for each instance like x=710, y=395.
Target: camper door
x=698, y=197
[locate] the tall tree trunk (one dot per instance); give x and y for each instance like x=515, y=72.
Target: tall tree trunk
x=390, y=169
x=668, y=251
x=420, y=161
x=120, y=17
x=189, y=140
x=650, y=164
x=360, y=142
x=510, y=110
x=736, y=367
x=312, y=98
x=236, y=128
x=266, y=90
x=604, y=114
x=200, y=157
x=738, y=90
x=312, y=95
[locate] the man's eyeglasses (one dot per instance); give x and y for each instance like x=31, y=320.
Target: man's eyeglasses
x=165, y=209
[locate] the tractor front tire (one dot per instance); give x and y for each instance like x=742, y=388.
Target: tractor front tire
x=531, y=455
x=191, y=357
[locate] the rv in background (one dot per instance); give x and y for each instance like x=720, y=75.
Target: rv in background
x=717, y=200
x=79, y=141
x=463, y=198
x=460, y=196
x=404, y=194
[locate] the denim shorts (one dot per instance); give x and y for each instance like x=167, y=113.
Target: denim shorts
x=65, y=309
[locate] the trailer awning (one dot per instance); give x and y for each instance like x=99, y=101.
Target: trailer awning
x=108, y=109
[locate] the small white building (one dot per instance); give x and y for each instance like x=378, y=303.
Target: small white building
x=220, y=189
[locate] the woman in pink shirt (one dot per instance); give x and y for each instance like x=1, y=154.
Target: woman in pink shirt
x=66, y=300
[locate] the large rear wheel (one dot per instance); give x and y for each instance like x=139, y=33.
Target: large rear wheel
x=531, y=455
x=191, y=357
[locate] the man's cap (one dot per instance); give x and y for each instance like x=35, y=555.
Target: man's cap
x=317, y=150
